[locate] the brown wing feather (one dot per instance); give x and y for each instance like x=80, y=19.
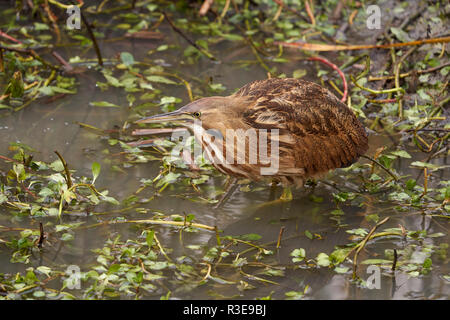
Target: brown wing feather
x=317, y=131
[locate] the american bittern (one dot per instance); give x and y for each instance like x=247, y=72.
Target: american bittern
x=316, y=131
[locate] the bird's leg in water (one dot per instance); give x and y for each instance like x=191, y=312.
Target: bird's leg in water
x=230, y=187
x=286, y=195
x=311, y=182
x=273, y=190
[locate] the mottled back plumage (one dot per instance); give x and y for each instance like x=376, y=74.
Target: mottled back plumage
x=318, y=132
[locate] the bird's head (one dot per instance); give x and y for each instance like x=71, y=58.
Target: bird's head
x=209, y=111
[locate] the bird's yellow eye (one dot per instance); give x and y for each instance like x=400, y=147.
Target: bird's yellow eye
x=196, y=114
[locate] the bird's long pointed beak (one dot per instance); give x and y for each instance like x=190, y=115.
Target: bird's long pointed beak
x=174, y=116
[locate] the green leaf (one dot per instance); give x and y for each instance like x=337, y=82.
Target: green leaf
x=68, y=195
x=95, y=171
x=45, y=270
x=359, y=232
x=239, y=262
x=445, y=71
x=67, y=237
x=102, y=260
x=169, y=100
x=114, y=268
x=430, y=166
x=323, y=260
x=51, y=90
x=149, y=238
x=377, y=261
x=3, y=106
x=57, y=165
x=127, y=58
x=162, y=47
x=112, y=81
x=339, y=255
x=3, y=198
x=103, y=104
x=341, y=269
x=40, y=26
x=399, y=196
x=437, y=234
x=220, y=280
x=424, y=78
x=298, y=254
x=401, y=154
x=250, y=237
x=131, y=99
x=373, y=217
x=299, y=73
x=109, y=199
x=168, y=178
x=16, y=86
x=422, y=94
x=217, y=87
x=410, y=184
x=337, y=212
x=39, y=294
x=232, y=37
x=158, y=265
x=60, y=208
x=316, y=199
x=159, y=79
x=19, y=170
x=123, y=26
x=427, y=263
x=274, y=272
x=67, y=226
x=294, y=295
x=400, y=34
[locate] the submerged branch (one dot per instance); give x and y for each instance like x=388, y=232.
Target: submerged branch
x=94, y=40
